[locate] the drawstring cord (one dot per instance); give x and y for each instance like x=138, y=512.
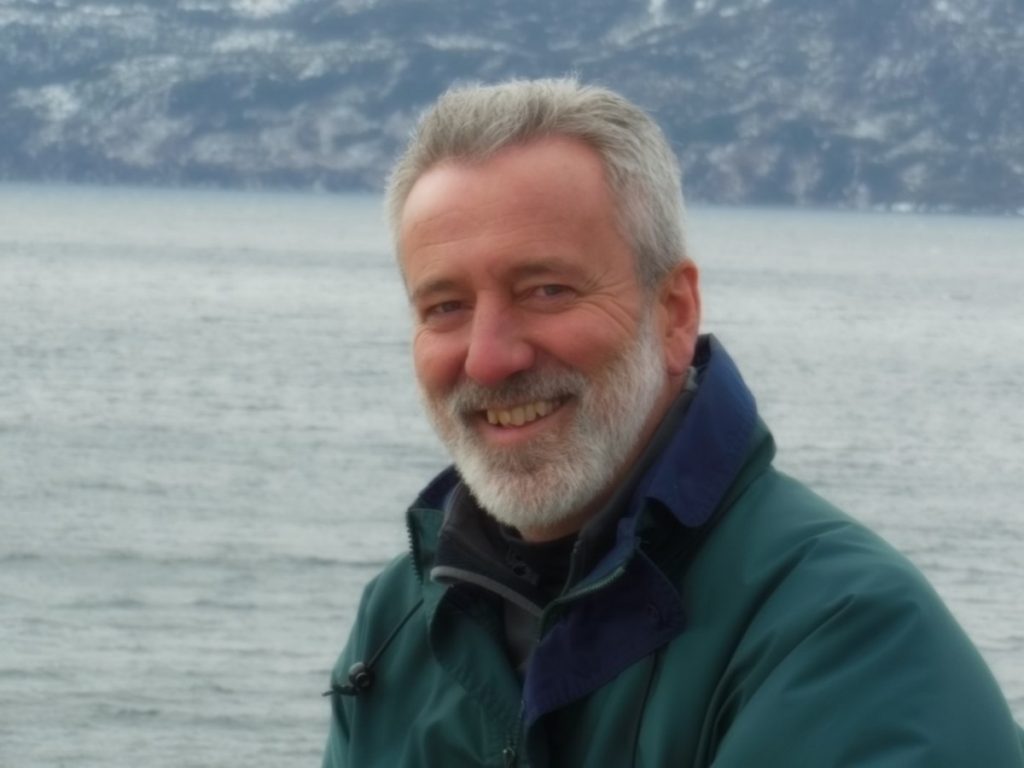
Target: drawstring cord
x=360, y=674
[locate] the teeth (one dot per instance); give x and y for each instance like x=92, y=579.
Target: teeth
x=520, y=414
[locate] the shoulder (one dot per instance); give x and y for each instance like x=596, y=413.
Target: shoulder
x=837, y=643
x=387, y=596
x=780, y=531
x=792, y=561
x=395, y=579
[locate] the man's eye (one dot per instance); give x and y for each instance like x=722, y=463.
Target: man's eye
x=443, y=308
x=551, y=289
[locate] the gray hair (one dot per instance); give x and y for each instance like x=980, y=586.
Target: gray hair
x=472, y=123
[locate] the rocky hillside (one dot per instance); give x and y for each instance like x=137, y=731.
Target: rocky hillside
x=917, y=104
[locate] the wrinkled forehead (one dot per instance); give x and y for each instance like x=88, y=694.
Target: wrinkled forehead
x=555, y=182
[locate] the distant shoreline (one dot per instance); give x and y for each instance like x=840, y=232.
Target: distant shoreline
x=314, y=190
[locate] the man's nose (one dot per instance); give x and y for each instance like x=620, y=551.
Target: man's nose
x=497, y=347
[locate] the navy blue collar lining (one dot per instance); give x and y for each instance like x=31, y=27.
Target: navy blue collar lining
x=435, y=495
x=705, y=456
x=702, y=458
x=600, y=635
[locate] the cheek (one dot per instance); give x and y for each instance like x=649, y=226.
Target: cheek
x=437, y=362
x=587, y=347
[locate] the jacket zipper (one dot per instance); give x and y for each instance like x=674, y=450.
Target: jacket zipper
x=573, y=596
x=413, y=549
x=511, y=751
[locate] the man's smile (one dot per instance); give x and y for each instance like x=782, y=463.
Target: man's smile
x=517, y=416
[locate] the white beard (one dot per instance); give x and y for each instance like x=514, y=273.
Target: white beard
x=558, y=473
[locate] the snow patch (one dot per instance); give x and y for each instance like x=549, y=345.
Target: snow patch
x=914, y=177
x=262, y=9
x=218, y=149
x=15, y=16
x=872, y=127
x=57, y=102
x=949, y=12
x=462, y=43
x=200, y=5
x=806, y=173
x=95, y=9
x=315, y=66
x=141, y=145
x=262, y=40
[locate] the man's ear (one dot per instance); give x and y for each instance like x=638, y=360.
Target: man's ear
x=679, y=316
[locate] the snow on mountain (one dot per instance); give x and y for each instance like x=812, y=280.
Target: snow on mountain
x=838, y=102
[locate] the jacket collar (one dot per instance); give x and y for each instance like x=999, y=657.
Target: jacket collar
x=699, y=458
x=625, y=607
x=694, y=466
x=708, y=451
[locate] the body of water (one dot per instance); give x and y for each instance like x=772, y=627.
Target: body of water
x=209, y=433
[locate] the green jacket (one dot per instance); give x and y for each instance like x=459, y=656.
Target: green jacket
x=738, y=620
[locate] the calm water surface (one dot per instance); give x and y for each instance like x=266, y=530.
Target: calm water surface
x=209, y=433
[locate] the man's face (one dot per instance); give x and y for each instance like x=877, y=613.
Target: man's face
x=538, y=354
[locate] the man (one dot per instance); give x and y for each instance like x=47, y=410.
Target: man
x=612, y=573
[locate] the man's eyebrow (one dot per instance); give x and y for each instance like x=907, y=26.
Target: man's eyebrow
x=431, y=288
x=543, y=267
x=538, y=268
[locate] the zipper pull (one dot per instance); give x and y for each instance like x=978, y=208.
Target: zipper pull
x=509, y=752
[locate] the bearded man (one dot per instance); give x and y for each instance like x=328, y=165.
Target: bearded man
x=612, y=573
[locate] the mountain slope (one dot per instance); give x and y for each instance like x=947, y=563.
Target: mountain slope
x=842, y=102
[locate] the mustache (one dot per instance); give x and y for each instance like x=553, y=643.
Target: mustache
x=523, y=387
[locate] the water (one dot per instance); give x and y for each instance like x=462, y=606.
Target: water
x=209, y=431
